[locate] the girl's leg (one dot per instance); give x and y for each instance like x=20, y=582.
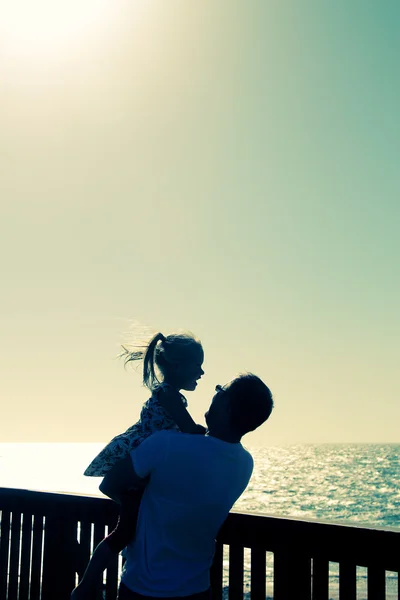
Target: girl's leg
x=125, y=529
x=116, y=541
x=92, y=577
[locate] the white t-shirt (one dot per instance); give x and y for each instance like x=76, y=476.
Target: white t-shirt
x=194, y=482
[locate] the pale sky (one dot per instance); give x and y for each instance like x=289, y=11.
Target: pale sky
x=228, y=167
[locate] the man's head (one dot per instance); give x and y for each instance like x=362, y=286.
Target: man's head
x=239, y=407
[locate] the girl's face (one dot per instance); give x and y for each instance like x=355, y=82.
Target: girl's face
x=189, y=370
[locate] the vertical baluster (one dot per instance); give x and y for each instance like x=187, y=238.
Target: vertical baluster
x=58, y=566
x=71, y=553
x=236, y=559
x=301, y=575
x=292, y=574
x=37, y=552
x=84, y=546
x=112, y=579
x=98, y=536
x=347, y=581
x=4, y=551
x=320, y=579
x=14, y=556
x=99, y=533
x=281, y=575
x=216, y=572
x=376, y=583
x=25, y=557
x=258, y=575
x=51, y=557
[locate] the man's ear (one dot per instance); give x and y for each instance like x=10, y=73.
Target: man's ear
x=228, y=409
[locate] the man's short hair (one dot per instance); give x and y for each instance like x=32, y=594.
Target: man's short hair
x=250, y=401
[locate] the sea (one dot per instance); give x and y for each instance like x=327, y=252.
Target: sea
x=352, y=483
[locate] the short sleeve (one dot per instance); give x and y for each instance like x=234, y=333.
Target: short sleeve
x=150, y=453
x=248, y=465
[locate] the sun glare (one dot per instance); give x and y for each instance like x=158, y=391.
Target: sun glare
x=47, y=28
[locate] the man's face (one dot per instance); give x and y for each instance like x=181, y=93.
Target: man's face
x=219, y=408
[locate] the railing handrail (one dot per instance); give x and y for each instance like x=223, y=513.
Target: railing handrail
x=77, y=496
x=365, y=545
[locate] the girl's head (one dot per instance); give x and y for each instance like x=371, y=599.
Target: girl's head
x=175, y=359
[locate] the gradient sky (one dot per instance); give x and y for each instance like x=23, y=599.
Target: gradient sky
x=228, y=167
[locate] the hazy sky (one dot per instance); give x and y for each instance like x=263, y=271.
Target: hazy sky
x=228, y=167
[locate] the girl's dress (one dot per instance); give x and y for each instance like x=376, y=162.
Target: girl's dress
x=153, y=417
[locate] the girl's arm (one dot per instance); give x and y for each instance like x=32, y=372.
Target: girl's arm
x=171, y=401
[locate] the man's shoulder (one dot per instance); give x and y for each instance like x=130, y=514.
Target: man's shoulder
x=157, y=439
x=163, y=436
x=167, y=433
x=247, y=458
x=247, y=454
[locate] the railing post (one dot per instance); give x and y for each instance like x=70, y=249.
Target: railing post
x=292, y=574
x=377, y=582
x=25, y=559
x=347, y=581
x=320, y=578
x=258, y=574
x=236, y=567
x=58, y=558
x=37, y=553
x=216, y=573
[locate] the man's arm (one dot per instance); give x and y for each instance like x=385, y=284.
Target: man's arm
x=120, y=479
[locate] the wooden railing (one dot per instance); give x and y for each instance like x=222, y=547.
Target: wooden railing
x=46, y=540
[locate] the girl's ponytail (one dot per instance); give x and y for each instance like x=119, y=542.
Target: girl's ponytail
x=149, y=374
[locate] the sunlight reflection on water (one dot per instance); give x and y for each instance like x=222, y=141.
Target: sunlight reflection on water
x=345, y=482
